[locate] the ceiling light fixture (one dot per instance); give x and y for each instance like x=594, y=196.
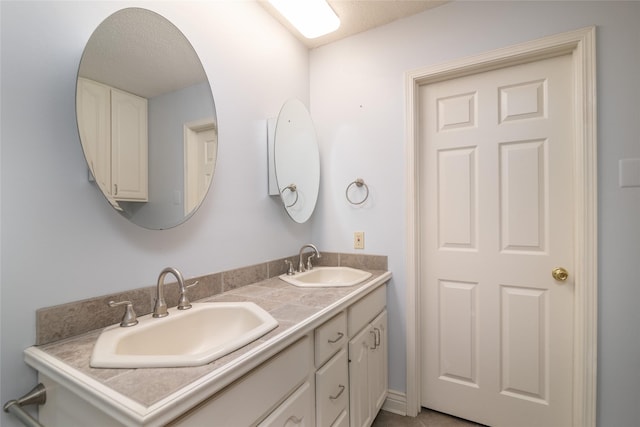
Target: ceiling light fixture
x=313, y=18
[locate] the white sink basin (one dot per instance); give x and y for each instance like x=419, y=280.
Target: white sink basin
x=193, y=337
x=327, y=277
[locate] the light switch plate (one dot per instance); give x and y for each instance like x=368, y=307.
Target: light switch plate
x=358, y=240
x=629, y=173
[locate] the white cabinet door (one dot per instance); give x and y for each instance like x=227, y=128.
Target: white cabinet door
x=368, y=371
x=378, y=363
x=114, y=134
x=359, y=379
x=129, y=159
x=94, y=125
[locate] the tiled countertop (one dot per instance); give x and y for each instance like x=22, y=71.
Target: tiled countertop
x=297, y=311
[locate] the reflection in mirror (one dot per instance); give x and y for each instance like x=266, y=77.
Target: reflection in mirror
x=297, y=160
x=146, y=118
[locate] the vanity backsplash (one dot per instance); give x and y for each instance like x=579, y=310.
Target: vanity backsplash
x=67, y=320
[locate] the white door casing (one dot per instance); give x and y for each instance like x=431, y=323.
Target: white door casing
x=200, y=152
x=580, y=46
x=496, y=198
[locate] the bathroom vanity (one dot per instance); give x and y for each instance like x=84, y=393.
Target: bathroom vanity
x=324, y=365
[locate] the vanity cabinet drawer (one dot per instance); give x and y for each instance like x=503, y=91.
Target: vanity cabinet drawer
x=330, y=337
x=361, y=313
x=298, y=410
x=332, y=389
x=342, y=421
x=256, y=394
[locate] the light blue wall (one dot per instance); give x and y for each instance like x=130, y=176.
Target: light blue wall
x=358, y=105
x=168, y=114
x=60, y=240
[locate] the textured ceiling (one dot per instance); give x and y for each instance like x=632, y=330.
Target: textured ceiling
x=359, y=15
x=141, y=52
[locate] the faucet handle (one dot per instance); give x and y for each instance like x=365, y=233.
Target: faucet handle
x=129, y=318
x=290, y=270
x=183, y=302
x=309, y=265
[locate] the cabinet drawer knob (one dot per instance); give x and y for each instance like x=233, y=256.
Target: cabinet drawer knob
x=294, y=420
x=338, y=338
x=339, y=393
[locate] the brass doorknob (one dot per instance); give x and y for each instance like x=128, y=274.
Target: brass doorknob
x=560, y=274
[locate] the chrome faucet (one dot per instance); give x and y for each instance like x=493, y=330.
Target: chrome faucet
x=301, y=263
x=160, y=308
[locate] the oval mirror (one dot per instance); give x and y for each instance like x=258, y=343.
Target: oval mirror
x=297, y=160
x=146, y=118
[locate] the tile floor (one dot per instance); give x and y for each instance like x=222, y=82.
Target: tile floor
x=426, y=418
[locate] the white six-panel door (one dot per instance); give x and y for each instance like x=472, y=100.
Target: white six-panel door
x=496, y=200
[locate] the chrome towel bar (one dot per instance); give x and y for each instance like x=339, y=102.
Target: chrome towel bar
x=37, y=396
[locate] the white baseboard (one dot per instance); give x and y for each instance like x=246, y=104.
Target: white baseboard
x=396, y=402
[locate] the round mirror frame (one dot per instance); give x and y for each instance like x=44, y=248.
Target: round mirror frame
x=180, y=159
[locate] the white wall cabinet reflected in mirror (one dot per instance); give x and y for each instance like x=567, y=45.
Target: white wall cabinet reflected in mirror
x=113, y=127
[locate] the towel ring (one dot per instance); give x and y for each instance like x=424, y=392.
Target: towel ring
x=294, y=189
x=359, y=182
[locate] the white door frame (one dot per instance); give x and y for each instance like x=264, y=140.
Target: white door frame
x=190, y=131
x=580, y=44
